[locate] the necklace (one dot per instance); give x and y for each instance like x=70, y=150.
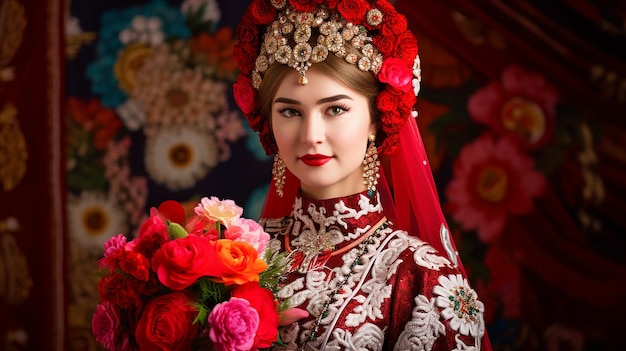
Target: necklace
x=363, y=244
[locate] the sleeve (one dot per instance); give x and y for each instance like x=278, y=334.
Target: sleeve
x=433, y=309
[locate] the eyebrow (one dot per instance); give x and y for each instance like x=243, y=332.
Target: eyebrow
x=319, y=102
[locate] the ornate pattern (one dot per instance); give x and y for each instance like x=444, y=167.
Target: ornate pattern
x=352, y=294
x=13, y=152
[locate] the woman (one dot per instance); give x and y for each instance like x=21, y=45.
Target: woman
x=330, y=88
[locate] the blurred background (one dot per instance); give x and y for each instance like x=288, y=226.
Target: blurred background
x=108, y=108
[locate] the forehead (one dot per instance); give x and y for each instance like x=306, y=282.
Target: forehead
x=320, y=85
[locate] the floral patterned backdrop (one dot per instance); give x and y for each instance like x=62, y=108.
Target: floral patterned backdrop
x=150, y=117
x=522, y=109
x=523, y=105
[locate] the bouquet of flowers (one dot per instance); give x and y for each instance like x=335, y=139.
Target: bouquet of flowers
x=191, y=283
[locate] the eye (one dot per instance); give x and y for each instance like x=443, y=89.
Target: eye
x=337, y=110
x=288, y=112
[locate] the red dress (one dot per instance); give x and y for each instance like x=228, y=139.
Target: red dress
x=368, y=285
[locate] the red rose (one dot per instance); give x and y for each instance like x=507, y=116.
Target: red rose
x=263, y=301
x=244, y=94
x=179, y=263
x=407, y=48
x=330, y=3
x=245, y=56
x=303, y=5
x=397, y=74
x=353, y=10
x=173, y=211
x=385, y=44
x=167, y=323
x=135, y=264
x=395, y=24
x=386, y=101
x=152, y=234
x=119, y=290
x=247, y=32
x=262, y=12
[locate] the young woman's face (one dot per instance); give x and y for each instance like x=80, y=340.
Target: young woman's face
x=321, y=130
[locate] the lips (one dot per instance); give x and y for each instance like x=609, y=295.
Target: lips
x=315, y=160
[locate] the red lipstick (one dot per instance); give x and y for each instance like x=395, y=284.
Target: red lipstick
x=315, y=160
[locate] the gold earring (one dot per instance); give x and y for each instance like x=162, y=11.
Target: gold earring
x=278, y=171
x=370, y=167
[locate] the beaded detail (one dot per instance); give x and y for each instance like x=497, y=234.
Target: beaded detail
x=286, y=41
x=369, y=240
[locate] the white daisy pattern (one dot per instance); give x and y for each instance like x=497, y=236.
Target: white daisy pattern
x=93, y=218
x=460, y=305
x=179, y=157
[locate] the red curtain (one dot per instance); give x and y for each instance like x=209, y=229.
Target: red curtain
x=32, y=172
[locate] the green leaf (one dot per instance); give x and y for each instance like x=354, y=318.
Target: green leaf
x=176, y=231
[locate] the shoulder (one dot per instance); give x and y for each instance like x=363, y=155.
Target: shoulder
x=417, y=253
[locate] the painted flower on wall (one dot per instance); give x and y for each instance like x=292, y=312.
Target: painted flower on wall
x=161, y=67
x=522, y=105
x=492, y=179
x=94, y=218
x=180, y=156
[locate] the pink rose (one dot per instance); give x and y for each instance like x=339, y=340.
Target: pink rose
x=397, y=74
x=264, y=302
x=233, y=325
x=179, y=263
x=167, y=323
x=113, y=249
x=104, y=325
x=216, y=210
x=249, y=231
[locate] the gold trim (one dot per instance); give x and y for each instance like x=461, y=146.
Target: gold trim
x=15, y=281
x=12, y=25
x=13, y=152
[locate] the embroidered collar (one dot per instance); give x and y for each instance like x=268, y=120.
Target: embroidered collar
x=324, y=227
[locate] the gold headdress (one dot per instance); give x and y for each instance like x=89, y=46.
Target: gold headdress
x=333, y=31
x=300, y=33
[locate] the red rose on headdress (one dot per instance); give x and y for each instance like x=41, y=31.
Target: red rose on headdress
x=353, y=10
x=244, y=94
x=407, y=47
x=262, y=12
x=397, y=74
x=386, y=101
x=247, y=31
x=394, y=23
x=303, y=5
x=385, y=44
x=245, y=56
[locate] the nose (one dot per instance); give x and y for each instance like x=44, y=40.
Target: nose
x=313, y=129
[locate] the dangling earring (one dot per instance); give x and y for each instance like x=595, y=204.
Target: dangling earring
x=278, y=171
x=370, y=167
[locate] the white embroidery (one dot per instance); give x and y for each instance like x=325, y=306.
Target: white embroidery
x=460, y=305
x=421, y=332
x=426, y=256
x=444, y=234
x=368, y=337
x=460, y=345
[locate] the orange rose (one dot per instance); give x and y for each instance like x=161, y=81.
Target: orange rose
x=239, y=261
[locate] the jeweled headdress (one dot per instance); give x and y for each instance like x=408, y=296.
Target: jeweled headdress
x=281, y=31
